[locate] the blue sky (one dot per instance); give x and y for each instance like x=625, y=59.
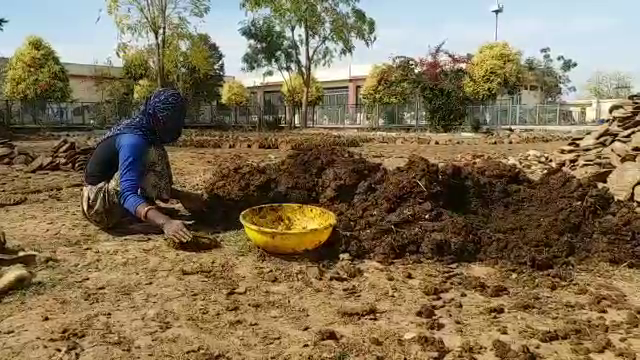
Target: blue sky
x=597, y=34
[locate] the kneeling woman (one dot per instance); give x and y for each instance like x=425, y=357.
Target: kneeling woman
x=129, y=169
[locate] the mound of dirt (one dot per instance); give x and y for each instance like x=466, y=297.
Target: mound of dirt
x=267, y=141
x=486, y=211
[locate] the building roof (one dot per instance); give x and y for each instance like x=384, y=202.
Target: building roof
x=323, y=75
x=87, y=70
x=93, y=70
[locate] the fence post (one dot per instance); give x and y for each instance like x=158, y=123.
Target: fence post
x=395, y=111
x=518, y=114
x=83, y=114
x=498, y=117
x=558, y=114
x=417, y=116
x=537, y=114
x=377, y=115
x=509, y=113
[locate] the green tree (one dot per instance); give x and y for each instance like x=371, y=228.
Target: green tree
x=136, y=65
x=193, y=64
x=377, y=85
x=494, y=70
x=392, y=83
x=119, y=96
x=35, y=74
x=142, y=90
x=116, y=95
x=442, y=78
x=196, y=67
x=139, y=19
x=3, y=22
x=610, y=85
x=235, y=95
x=550, y=74
x=299, y=35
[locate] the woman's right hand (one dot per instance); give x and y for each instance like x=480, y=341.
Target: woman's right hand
x=177, y=231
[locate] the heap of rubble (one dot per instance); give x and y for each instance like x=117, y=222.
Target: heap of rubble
x=609, y=155
x=66, y=155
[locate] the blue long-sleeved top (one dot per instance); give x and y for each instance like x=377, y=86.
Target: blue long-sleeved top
x=126, y=153
x=132, y=150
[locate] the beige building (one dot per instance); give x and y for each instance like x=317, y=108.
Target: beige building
x=341, y=105
x=342, y=87
x=84, y=80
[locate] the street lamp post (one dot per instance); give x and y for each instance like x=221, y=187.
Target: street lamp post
x=498, y=9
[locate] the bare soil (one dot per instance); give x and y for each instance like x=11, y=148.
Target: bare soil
x=132, y=296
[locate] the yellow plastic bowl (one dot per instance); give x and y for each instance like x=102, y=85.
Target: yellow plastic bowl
x=287, y=228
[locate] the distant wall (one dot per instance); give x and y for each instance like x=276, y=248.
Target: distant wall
x=83, y=89
x=594, y=109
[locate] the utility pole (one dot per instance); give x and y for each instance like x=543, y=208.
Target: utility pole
x=498, y=9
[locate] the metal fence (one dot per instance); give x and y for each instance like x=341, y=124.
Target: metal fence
x=541, y=115
x=97, y=115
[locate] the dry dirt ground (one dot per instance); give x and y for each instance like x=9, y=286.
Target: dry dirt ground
x=101, y=296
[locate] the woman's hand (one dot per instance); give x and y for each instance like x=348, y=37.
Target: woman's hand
x=176, y=230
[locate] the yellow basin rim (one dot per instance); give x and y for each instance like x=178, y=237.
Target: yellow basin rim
x=288, y=241
x=252, y=226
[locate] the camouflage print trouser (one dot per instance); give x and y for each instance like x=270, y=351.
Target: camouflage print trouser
x=100, y=204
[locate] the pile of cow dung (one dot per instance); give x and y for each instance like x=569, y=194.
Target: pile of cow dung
x=532, y=163
x=609, y=155
x=13, y=155
x=67, y=155
x=487, y=211
x=269, y=141
x=302, y=140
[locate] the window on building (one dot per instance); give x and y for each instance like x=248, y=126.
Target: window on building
x=273, y=102
x=335, y=96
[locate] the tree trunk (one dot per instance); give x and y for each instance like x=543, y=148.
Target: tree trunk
x=313, y=115
x=163, y=47
x=305, y=107
x=306, y=77
x=160, y=62
x=288, y=116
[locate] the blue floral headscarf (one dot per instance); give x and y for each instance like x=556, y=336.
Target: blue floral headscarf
x=160, y=120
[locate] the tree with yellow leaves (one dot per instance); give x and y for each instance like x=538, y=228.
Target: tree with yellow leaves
x=293, y=93
x=494, y=70
x=235, y=95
